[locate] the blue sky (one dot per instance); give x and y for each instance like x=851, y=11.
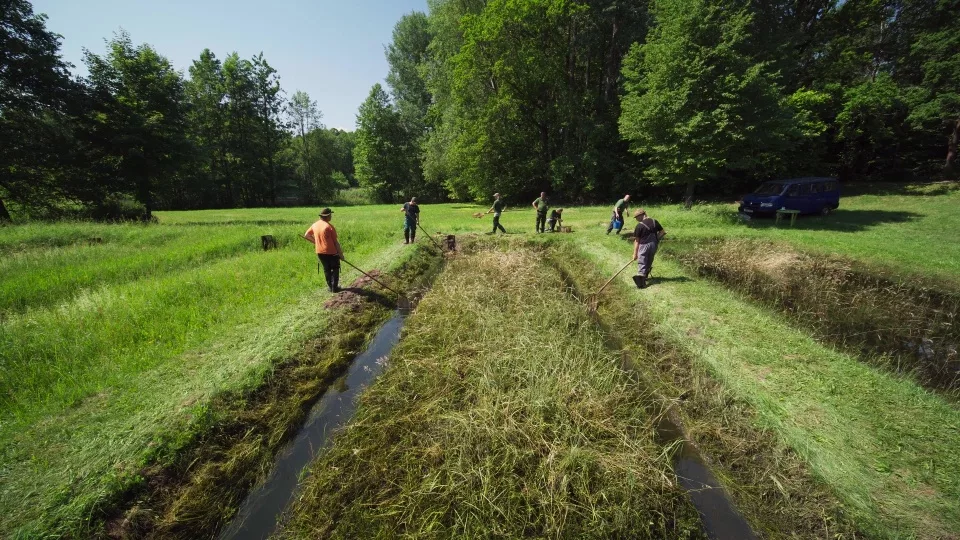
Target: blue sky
x=331, y=49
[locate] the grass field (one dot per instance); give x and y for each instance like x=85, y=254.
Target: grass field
x=502, y=400
x=116, y=339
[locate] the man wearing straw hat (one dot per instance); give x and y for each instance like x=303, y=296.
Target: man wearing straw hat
x=646, y=238
x=324, y=237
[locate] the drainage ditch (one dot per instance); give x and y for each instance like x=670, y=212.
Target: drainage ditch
x=259, y=515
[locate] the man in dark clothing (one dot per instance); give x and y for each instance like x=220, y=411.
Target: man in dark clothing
x=556, y=218
x=646, y=238
x=540, y=204
x=411, y=219
x=618, y=208
x=497, y=209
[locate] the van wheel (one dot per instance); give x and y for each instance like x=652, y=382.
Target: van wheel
x=825, y=211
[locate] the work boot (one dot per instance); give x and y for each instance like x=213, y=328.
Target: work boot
x=640, y=281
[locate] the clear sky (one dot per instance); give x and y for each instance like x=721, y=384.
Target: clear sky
x=331, y=49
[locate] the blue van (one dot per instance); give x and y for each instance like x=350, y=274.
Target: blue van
x=808, y=195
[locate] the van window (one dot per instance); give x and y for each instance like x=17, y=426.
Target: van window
x=769, y=189
x=830, y=186
x=793, y=191
x=817, y=188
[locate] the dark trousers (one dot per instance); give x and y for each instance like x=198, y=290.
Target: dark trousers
x=497, y=225
x=409, y=231
x=541, y=221
x=331, y=270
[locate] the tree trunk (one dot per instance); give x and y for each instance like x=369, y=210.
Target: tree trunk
x=948, y=166
x=146, y=197
x=688, y=199
x=4, y=215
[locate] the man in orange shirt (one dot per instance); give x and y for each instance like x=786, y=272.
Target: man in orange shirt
x=324, y=237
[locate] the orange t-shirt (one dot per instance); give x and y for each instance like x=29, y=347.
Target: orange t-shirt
x=325, y=238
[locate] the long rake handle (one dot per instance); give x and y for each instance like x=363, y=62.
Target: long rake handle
x=373, y=278
x=614, y=277
x=428, y=236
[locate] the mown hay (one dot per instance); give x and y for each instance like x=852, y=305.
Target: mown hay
x=501, y=414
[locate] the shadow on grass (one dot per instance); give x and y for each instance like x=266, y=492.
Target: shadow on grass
x=674, y=279
x=841, y=220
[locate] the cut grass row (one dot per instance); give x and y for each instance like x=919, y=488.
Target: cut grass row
x=884, y=445
x=95, y=388
x=502, y=413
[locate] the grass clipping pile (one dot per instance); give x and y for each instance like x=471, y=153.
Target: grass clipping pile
x=501, y=414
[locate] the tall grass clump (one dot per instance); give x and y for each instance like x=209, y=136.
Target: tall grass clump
x=906, y=326
x=502, y=413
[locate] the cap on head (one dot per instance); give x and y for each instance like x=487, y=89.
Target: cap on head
x=326, y=212
x=496, y=194
x=413, y=199
x=639, y=213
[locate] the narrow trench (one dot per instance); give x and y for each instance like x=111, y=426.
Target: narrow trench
x=719, y=515
x=261, y=512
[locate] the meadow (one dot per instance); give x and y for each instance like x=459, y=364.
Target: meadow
x=116, y=341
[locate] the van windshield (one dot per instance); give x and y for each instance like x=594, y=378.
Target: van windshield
x=769, y=189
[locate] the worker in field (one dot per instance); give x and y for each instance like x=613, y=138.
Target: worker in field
x=616, y=220
x=646, y=237
x=411, y=218
x=541, y=206
x=497, y=209
x=324, y=237
x=556, y=218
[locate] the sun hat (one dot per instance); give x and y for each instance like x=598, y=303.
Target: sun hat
x=639, y=212
x=326, y=212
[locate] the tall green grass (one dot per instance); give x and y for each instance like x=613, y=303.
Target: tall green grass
x=501, y=414
x=121, y=360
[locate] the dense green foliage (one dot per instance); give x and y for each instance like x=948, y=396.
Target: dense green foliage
x=135, y=135
x=592, y=98
x=587, y=99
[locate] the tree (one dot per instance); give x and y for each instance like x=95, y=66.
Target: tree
x=206, y=121
x=938, y=98
x=379, y=158
x=408, y=55
x=305, y=117
x=141, y=115
x=270, y=129
x=698, y=106
x=36, y=95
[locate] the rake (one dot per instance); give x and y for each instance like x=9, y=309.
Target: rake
x=428, y=236
x=594, y=299
x=382, y=284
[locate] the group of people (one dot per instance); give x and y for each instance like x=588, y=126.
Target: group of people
x=646, y=235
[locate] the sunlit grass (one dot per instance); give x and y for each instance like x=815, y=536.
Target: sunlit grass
x=501, y=413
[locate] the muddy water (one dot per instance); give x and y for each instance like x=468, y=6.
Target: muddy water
x=718, y=514
x=259, y=514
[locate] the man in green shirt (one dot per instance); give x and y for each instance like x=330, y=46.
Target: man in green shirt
x=497, y=209
x=616, y=220
x=540, y=204
x=411, y=218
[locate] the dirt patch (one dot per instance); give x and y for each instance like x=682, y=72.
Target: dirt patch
x=352, y=297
